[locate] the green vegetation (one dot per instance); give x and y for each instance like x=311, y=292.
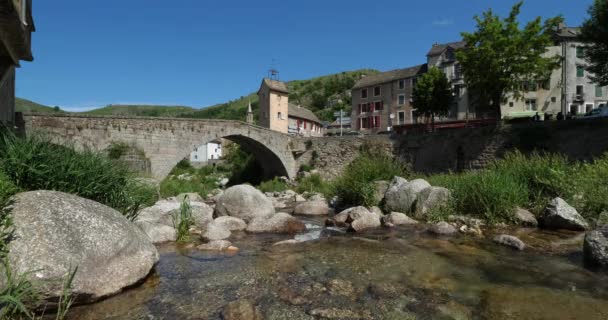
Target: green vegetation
x=499, y=57
x=274, y=185
x=17, y=295
x=231, y=110
x=432, y=94
x=182, y=221
x=141, y=110
x=356, y=185
x=34, y=163
x=314, y=183
x=530, y=182
x=595, y=34
x=65, y=299
x=117, y=150
x=23, y=105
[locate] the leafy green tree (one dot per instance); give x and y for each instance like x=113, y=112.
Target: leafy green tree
x=432, y=95
x=595, y=33
x=499, y=56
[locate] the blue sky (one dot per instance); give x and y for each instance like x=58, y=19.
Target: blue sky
x=202, y=52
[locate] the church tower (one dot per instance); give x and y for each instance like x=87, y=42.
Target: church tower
x=249, y=113
x=274, y=105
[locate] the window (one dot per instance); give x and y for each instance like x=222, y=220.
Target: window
x=545, y=84
x=401, y=99
x=457, y=71
x=401, y=84
x=458, y=91
x=279, y=116
x=598, y=91
x=378, y=106
x=529, y=86
x=553, y=99
x=588, y=107
x=401, y=117
x=530, y=104
x=195, y=157
x=511, y=104
x=580, y=71
x=376, y=91
x=579, y=90
x=580, y=52
x=363, y=93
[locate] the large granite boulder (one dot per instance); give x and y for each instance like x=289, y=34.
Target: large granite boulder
x=357, y=219
x=430, y=198
x=216, y=231
x=245, y=202
x=56, y=232
x=400, y=196
x=525, y=218
x=595, y=248
x=231, y=223
x=560, y=215
x=312, y=208
x=167, y=212
x=279, y=223
x=157, y=232
x=397, y=219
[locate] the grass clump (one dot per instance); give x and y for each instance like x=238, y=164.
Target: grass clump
x=356, y=185
x=274, y=185
x=183, y=220
x=34, y=163
x=117, y=150
x=314, y=183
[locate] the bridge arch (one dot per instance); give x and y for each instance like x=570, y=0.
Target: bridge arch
x=166, y=141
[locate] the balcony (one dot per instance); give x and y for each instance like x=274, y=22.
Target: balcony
x=578, y=96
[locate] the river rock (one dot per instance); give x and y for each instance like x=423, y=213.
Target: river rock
x=215, y=245
x=358, y=219
x=216, y=231
x=245, y=202
x=299, y=198
x=397, y=219
x=401, y=196
x=312, y=208
x=560, y=215
x=595, y=248
x=430, y=198
x=279, y=223
x=241, y=310
x=510, y=241
x=231, y=223
x=525, y=218
x=166, y=211
x=443, y=229
x=191, y=196
x=55, y=232
x=157, y=232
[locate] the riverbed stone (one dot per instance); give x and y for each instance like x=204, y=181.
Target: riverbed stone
x=312, y=208
x=245, y=202
x=241, y=310
x=525, y=218
x=231, y=223
x=190, y=196
x=397, y=219
x=215, y=231
x=401, y=196
x=215, y=245
x=357, y=219
x=510, y=241
x=595, y=248
x=431, y=198
x=167, y=210
x=380, y=188
x=560, y=215
x=157, y=232
x=442, y=228
x=55, y=232
x=279, y=223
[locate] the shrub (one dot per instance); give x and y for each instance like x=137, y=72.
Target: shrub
x=274, y=185
x=355, y=186
x=182, y=221
x=305, y=168
x=590, y=184
x=34, y=163
x=184, y=164
x=314, y=183
x=117, y=150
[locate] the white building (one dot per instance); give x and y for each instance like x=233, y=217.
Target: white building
x=206, y=152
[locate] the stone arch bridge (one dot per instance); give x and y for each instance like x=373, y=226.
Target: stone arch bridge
x=166, y=141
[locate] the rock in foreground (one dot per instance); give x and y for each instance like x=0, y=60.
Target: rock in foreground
x=560, y=215
x=595, y=248
x=510, y=241
x=358, y=219
x=312, y=208
x=402, y=195
x=279, y=223
x=245, y=202
x=56, y=232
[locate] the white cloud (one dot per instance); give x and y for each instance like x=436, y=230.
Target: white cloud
x=443, y=22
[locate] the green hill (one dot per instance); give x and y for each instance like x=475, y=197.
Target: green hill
x=141, y=110
x=23, y=105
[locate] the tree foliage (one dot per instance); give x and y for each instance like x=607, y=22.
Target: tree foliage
x=432, y=94
x=595, y=33
x=499, y=56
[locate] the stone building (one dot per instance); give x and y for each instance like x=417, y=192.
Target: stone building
x=382, y=100
x=276, y=113
x=16, y=26
x=207, y=152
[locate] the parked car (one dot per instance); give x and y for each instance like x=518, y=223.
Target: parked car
x=601, y=112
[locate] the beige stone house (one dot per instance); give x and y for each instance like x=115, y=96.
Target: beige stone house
x=276, y=113
x=382, y=100
x=16, y=26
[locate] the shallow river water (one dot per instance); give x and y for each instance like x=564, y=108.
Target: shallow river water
x=403, y=273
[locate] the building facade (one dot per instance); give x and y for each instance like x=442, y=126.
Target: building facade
x=206, y=152
x=276, y=113
x=16, y=26
x=382, y=100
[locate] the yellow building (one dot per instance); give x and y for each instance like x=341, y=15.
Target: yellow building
x=274, y=105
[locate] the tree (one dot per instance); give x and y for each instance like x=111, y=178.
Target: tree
x=594, y=32
x=432, y=95
x=499, y=56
